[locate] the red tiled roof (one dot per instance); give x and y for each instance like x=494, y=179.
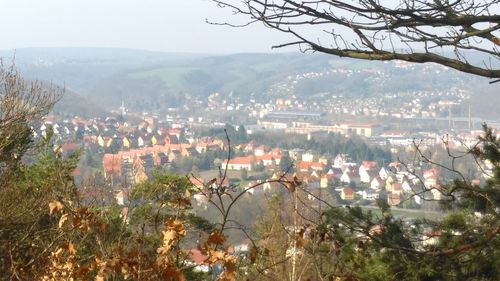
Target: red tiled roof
x=369, y=164
x=242, y=160
x=304, y=165
x=396, y=186
x=347, y=191
x=195, y=181
x=197, y=256
x=66, y=147
x=111, y=163
x=431, y=173
x=261, y=147
x=276, y=151
x=267, y=157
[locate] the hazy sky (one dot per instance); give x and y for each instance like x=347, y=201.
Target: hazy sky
x=161, y=25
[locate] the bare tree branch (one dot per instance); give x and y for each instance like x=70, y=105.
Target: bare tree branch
x=419, y=31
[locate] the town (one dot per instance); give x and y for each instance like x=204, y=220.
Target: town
x=126, y=148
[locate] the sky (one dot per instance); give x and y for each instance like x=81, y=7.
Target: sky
x=157, y=25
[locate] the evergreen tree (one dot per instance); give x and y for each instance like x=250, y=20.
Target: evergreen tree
x=241, y=134
x=244, y=174
x=286, y=164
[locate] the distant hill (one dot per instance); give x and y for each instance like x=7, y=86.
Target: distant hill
x=80, y=68
x=72, y=103
x=147, y=80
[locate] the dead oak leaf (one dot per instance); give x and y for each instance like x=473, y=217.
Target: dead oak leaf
x=64, y=218
x=175, y=225
x=216, y=238
x=55, y=206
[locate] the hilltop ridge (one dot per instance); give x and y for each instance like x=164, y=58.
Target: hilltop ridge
x=154, y=81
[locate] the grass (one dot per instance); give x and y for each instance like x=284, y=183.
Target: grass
x=409, y=213
x=210, y=174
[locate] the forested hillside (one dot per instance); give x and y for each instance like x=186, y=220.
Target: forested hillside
x=153, y=81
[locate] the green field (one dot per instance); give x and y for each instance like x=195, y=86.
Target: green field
x=409, y=213
x=171, y=76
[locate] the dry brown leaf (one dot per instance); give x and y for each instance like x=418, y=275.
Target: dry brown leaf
x=173, y=274
x=84, y=225
x=168, y=237
x=229, y=273
x=82, y=211
x=175, y=225
x=299, y=240
x=71, y=248
x=216, y=238
x=82, y=272
x=55, y=206
x=216, y=256
x=230, y=263
x=63, y=219
x=183, y=202
x=212, y=181
x=290, y=185
x=227, y=276
x=252, y=254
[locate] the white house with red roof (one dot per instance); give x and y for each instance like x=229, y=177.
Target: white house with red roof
x=377, y=183
x=407, y=186
x=268, y=159
x=276, y=152
x=308, y=156
x=367, y=171
x=305, y=166
x=396, y=188
x=249, y=147
x=431, y=178
x=239, y=163
x=347, y=194
x=384, y=173
x=260, y=150
x=348, y=176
